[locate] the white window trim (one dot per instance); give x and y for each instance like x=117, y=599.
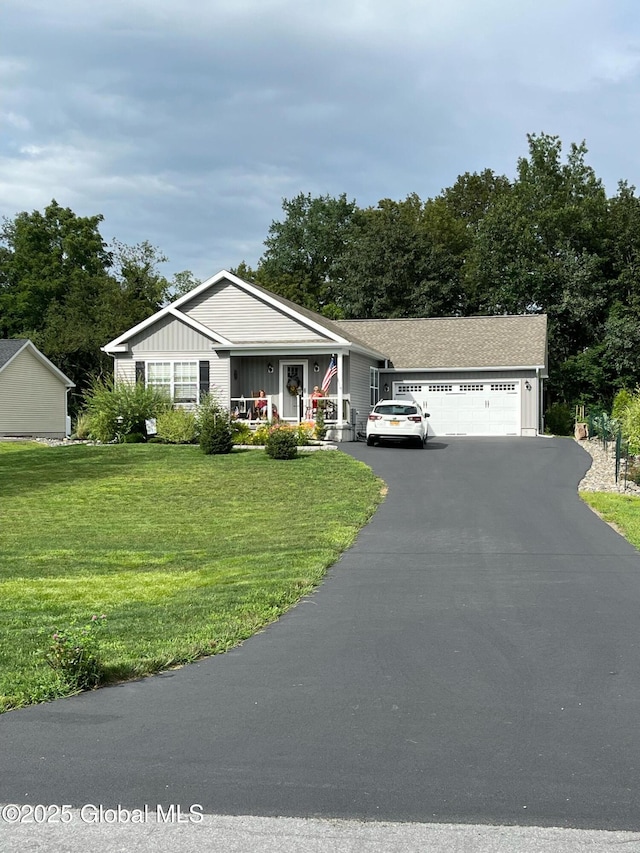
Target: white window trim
x=374, y=385
x=172, y=378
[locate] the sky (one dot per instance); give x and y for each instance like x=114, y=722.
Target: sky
x=187, y=122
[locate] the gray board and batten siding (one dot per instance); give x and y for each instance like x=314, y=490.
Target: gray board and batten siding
x=243, y=318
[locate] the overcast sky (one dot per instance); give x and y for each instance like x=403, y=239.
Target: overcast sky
x=185, y=122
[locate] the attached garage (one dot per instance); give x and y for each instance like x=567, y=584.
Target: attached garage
x=484, y=407
x=476, y=376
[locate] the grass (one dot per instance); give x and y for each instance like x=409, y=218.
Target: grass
x=186, y=554
x=623, y=511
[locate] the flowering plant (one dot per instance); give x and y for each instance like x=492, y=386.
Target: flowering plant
x=74, y=653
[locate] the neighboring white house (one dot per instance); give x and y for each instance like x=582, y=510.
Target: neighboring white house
x=474, y=375
x=33, y=392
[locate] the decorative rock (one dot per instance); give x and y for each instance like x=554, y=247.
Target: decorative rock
x=601, y=477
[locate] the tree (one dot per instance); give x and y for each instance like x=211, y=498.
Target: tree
x=42, y=256
x=142, y=285
x=542, y=247
x=182, y=283
x=63, y=287
x=301, y=251
x=402, y=259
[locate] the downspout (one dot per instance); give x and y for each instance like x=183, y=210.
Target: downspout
x=540, y=402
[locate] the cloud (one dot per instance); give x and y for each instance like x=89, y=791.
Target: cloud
x=186, y=123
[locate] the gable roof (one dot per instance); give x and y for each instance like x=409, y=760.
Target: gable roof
x=310, y=319
x=11, y=348
x=457, y=342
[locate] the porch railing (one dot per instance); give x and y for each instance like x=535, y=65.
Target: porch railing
x=255, y=410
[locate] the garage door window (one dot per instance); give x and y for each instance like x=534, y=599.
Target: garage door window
x=503, y=386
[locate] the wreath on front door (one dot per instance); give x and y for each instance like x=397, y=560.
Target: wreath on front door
x=293, y=386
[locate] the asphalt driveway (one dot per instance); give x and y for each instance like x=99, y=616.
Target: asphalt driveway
x=474, y=658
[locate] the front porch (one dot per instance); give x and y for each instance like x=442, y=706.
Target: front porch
x=255, y=411
x=287, y=388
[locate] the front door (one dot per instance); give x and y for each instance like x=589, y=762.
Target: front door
x=292, y=387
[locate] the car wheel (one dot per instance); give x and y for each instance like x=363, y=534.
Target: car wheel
x=370, y=441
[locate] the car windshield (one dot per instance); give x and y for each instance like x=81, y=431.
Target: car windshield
x=396, y=409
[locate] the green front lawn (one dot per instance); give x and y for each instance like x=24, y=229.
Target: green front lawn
x=621, y=510
x=186, y=554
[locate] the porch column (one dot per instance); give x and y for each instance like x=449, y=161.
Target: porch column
x=340, y=389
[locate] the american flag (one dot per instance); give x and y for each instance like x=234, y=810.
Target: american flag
x=332, y=370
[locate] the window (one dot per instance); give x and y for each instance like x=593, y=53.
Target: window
x=159, y=375
x=395, y=409
x=185, y=381
x=440, y=388
x=503, y=386
x=409, y=389
x=472, y=387
x=178, y=378
x=374, y=385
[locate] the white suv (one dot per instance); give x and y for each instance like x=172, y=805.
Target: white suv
x=397, y=419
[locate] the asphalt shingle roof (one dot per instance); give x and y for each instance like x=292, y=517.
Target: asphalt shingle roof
x=455, y=342
x=8, y=348
x=331, y=325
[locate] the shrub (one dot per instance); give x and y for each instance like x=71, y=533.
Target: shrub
x=177, y=426
x=281, y=444
x=303, y=433
x=261, y=435
x=620, y=402
x=134, y=438
x=320, y=430
x=74, y=653
x=241, y=432
x=214, y=426
x=117, y=410
x=630, y=422
x=602, y=426
x=102, y=426
x=559, y=419
x=82, y=426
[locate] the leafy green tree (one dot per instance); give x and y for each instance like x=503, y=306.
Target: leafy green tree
x=542, y=247
x=142, y=285
x=62, y=286
x=299, y=262
x=403, y=259
x=42, y=257
x=182, y=283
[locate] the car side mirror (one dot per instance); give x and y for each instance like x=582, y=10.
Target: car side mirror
x=427, y=415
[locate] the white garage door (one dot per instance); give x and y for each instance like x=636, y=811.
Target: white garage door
x=467, y=408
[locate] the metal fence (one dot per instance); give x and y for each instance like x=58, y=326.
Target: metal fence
x=607, y=430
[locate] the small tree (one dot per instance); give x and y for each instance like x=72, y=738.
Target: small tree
x=214, y=426
x=320, y=429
